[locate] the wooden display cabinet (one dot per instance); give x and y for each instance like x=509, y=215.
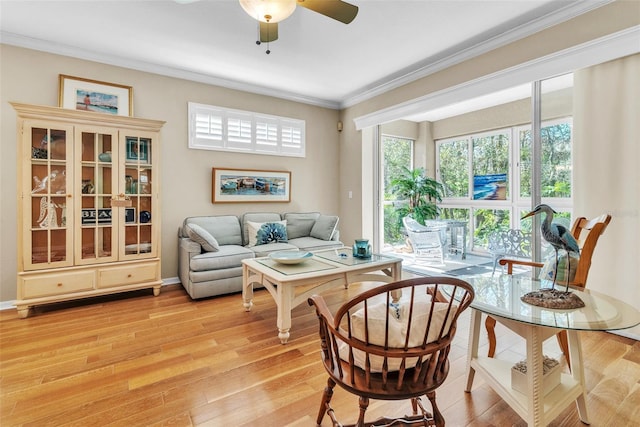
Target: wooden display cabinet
x=89, y=217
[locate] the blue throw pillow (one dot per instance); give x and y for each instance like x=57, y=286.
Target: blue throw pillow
x=267, y=232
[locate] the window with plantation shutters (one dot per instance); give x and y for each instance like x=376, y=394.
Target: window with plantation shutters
x=217, y=128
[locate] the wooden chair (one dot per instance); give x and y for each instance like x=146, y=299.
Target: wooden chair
x=586, y=232
x=392, y=343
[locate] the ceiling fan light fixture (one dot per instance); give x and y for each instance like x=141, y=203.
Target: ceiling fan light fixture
x=271, y=11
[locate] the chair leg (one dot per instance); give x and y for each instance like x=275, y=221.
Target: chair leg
x=437, y=416
x=564, y=346
x=495, y=264
x=490, y=326
x=364, y=404
x=326, y=399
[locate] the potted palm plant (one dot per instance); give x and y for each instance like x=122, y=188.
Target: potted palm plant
x=420, y=192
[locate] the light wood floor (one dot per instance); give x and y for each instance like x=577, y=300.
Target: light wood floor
x=142, y=360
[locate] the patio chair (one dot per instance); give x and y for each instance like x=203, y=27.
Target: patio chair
x=427, y=242
x=509, y=243
x=586, y=232
x=392, y=343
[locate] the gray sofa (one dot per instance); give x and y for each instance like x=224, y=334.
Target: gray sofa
x=211, y=248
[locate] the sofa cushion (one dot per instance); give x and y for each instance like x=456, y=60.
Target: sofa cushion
x=202, y=236
x=312, y=244
x=256, y=217
x=228, y=256
x=265, y=250
x=324, y=227
x=300, y=224
x=224, y=228
x=266, y=232
x=210, y=275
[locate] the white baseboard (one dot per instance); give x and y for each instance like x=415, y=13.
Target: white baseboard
x=170, y=281
x=626, y=334
x=6, y=305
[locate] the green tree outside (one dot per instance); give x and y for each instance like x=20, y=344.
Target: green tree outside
x=397, y=154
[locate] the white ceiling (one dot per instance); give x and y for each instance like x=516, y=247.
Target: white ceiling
x=316, y=59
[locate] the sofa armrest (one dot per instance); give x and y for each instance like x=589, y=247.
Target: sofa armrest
x=189, y=246
x=336, y=235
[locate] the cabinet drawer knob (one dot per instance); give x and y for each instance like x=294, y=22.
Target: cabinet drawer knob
x=129, y=275
x=59, y=285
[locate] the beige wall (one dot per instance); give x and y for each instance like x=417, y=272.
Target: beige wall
x=32, y=77
x=606, y=122
x=554, y=105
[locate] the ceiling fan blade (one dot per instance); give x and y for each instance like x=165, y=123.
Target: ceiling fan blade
x=268, y=32
x=336, y=9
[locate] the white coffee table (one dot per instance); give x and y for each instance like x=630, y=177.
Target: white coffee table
x=291, y=285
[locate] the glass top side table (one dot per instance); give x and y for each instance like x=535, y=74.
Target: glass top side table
x=500, y=297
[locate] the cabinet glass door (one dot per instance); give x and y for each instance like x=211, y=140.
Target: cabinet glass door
x=46, y=191
x=97, y=187
x=138, y=179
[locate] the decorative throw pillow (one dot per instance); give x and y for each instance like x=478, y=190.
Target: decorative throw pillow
x=300, y=224
x=202, y=236
x=324, y=227
x=261, y=233
x=549, y=268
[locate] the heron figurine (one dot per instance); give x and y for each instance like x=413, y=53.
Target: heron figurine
x=557, y=236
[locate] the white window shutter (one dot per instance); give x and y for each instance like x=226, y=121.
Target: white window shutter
x=218, y=128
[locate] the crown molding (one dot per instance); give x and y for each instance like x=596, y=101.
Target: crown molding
x=432, y=65
x=66, y=50
x=594, y=52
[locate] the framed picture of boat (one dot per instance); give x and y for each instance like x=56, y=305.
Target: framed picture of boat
x=77, y=93
x=250, y=186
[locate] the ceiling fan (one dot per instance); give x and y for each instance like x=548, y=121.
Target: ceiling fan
x=269, y=12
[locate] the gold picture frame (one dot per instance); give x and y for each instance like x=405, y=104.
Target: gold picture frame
x=77, y=93
x=250, y=185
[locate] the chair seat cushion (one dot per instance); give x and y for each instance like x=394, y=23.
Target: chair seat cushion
x=439, y=324
x=549, y=268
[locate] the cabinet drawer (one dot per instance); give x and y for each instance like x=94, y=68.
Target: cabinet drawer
x=127, y=275
x=56, y=284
